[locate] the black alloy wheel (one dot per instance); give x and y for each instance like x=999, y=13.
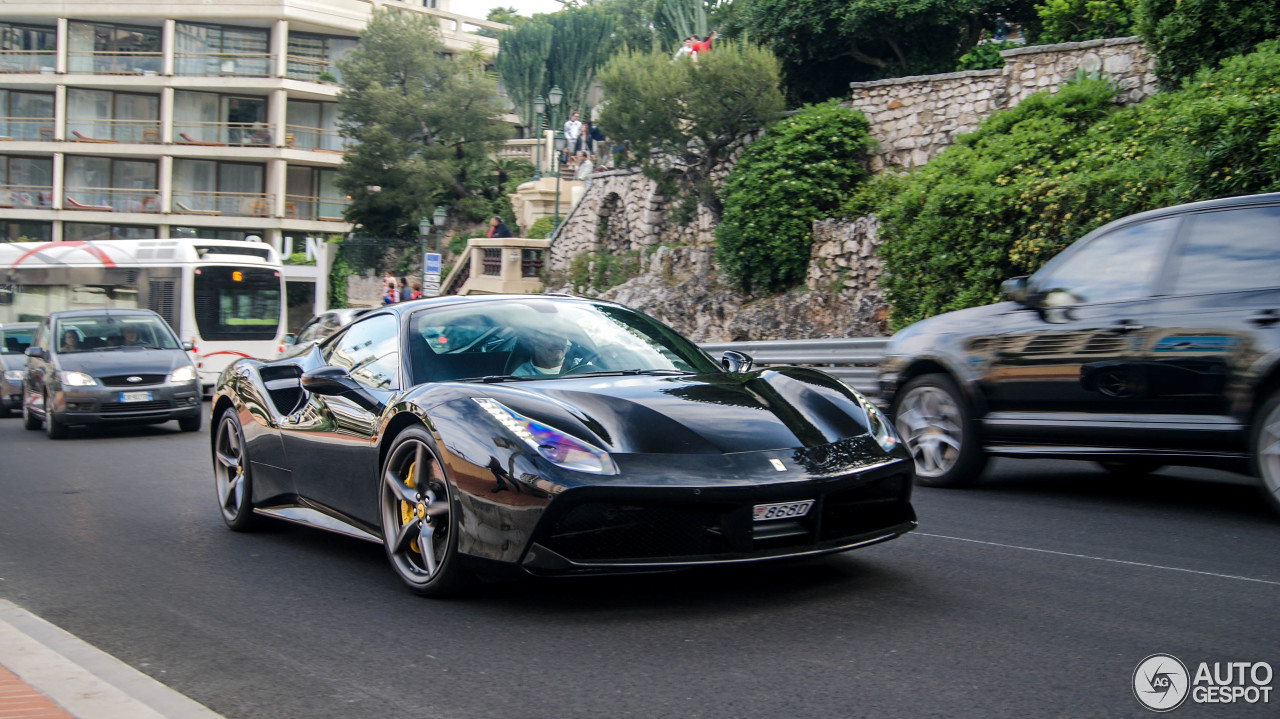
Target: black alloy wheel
x=933, y=419
x=231, y=474
x=29, y=420
x=52, y=427
x=420, y=518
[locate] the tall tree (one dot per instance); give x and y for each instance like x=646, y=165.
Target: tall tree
x=632, y=22
x=506, y=15
x=1187, y=35
x=581, y=41
x=417, y=120
x=522, y=65
x=685, y=116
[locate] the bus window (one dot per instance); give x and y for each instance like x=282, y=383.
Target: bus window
x=237, y=303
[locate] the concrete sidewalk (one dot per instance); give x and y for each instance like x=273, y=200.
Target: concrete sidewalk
x=46, y=673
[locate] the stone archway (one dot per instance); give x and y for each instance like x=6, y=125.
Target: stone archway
x=613, y=229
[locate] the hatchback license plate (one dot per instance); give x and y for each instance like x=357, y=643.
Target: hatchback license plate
x=135, y=396
x=782, y=510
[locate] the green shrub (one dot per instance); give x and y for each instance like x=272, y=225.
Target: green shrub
x=1033, y=179
x=540, y=228
x=597, y=272
x=794, y=175
x=985, y=56
x=1187, y=35
x=1076, y=20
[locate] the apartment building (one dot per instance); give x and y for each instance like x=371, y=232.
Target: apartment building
x=209, y=118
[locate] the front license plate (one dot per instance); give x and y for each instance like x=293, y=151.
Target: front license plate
x=135, y=396
x=782, y=510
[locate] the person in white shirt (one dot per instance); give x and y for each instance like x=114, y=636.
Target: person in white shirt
x=585, y=167
x=573, y=133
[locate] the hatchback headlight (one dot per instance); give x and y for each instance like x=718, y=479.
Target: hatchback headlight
x=76, y=379
x=878, y=425
x=13, y=375
x=183, y=374
x=555, y=446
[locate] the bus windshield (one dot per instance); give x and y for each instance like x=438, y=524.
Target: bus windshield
x=237, y=303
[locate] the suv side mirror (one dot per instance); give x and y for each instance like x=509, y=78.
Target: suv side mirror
x=733, y=361
x=34, y=352
x=1017, y=290
x=188, y=346
x=290, y=339
x=336, y=382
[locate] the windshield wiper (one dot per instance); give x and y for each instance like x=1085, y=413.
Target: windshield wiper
x=495, y=378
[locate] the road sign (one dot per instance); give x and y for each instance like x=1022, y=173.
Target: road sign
x=432, y=264
x=431, y=284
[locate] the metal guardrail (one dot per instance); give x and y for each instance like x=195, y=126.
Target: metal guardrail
x=853, y=360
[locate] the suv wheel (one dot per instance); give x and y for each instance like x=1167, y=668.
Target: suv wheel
x=29, y=420
x=1266, y=448
x=934, y=420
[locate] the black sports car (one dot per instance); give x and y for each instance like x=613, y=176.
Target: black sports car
x=554, y=435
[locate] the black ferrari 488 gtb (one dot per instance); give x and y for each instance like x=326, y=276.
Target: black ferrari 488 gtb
x=553, y=435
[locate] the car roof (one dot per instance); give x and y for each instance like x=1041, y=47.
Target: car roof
x=111, y=312
x=18, y=326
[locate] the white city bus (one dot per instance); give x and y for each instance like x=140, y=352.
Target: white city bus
x=225, y=297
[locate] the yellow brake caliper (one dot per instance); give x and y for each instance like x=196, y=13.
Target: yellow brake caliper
x=408, y=511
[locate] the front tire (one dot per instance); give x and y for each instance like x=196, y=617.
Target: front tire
x=52, y=427
x=934, y=421
x=1265, y=447
x=231, y=474
x=190, y=424
x=420, y=517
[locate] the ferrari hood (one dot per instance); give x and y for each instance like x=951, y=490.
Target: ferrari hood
x=791, y=408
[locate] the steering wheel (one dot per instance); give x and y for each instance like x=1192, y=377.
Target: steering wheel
x=585, y=363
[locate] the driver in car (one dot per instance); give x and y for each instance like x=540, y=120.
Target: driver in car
x=70, y=342
x=547, y=351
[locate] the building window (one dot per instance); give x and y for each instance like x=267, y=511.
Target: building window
x=205, y=187
x=216, y=50
x=315, y=57
x=312, y=194
x=94, y=115
x=531, y=263
x=110, y=185
x=26, y=115
x=206, y=118
x=27, y=48
x=110, y=49
x=313, y=126
x=26, y=181
x=88, y=232
x=27, y=231
x=492, y=263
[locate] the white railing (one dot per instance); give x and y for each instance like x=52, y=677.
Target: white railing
x=111, y=199
x=854, y=361
x=145, y=132
x=199, y=132
x=304, y=207
x=203, y=202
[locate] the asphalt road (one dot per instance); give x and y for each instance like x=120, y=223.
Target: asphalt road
x=1035, y=594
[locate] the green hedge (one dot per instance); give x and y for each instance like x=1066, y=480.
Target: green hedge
x=1033, y=179
x=795, y=174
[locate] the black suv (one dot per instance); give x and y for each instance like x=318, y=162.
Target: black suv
x=1154, y=340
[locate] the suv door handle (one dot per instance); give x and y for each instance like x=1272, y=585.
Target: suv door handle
x=1264, y=318
x=1128, y=326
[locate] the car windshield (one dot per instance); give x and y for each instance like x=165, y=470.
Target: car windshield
x=544, y=339
x=112, y=333
x=14, y=341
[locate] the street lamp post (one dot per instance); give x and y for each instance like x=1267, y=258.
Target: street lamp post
x=560, y=143
x=424, y=226
x=539, y=107
x=554, y=97
x=439, y=218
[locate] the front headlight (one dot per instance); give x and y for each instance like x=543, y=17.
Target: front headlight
x=76, y=379
x=183, y=374
x=879, y=425
x=13, y=375
x=556, y=447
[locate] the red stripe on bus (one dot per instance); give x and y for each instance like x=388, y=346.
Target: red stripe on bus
x=86, y=245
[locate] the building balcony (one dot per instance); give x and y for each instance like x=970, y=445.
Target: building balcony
x=140, y=132
x=115, y=63
x=26, y=196
x=303, y=207
x=208, y=64
x=31, y=129
x=111, y=199
x=12, y=61
x=207, y=203
x=311, y=69
x=237, y=134
x=300, y=137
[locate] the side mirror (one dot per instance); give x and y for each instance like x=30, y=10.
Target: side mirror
x=1016, y=290
x=733, y=361
x=335, y=382
x=291, y=339
x=188, y=346
x=35, y=352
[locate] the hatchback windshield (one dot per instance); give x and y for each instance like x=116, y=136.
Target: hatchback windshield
x=103, y=333
x=14, y=341
x=539, y=338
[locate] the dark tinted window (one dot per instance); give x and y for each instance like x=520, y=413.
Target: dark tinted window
x=370, y=351
x=1230, y=250
x=237, y=303
x=15, y=341
x=1119, y=265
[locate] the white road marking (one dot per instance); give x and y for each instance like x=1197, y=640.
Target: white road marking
x=1099, y=559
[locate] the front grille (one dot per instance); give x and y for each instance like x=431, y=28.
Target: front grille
x=872, y=506
x=606, y=530
x=123, y=380
x=131, y=407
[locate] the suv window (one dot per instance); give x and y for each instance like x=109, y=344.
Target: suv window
x=370, y=351
x=1119, y=265
x=1229, y=250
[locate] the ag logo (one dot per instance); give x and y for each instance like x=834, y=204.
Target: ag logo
x=1160, y=682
